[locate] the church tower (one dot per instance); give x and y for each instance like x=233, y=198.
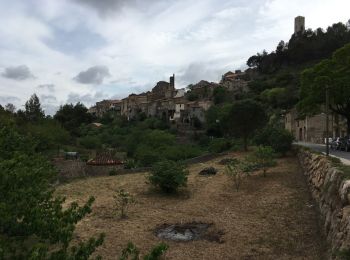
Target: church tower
x=299, y=24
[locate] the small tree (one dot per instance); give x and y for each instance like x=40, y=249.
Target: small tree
x=169, y=176
x=264, y=157
x=33, y=108
x=235, y=169
x=122, y=200
x=243, y=119
x=33, y=222
x=278, y=138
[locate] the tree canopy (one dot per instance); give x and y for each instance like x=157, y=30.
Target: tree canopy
x=334, y=74
x=33, y=224
x=243, y=118
x=72, y=116
x=33, y=110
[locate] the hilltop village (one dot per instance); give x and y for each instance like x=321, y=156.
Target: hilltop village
x=178, y=106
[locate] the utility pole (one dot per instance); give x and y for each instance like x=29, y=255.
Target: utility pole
x=327, y=123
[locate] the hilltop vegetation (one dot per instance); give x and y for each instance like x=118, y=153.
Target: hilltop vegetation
x=276, y=75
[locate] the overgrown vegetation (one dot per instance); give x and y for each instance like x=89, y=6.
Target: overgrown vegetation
x=33, y=223
x=264, y=158
x=278, y=138
x=168, y=176
x=133, y=253
x=123, y=200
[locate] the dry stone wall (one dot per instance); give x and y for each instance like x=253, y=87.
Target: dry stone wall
x=332, y=193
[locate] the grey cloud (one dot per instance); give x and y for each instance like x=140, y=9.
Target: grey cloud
x=196, y=72
x=93, y=75
x=103, y=7
x=49, y=87
x=109, y=7
x=86, y=99
x=8, y=99
x=48, y=98
x=50, y=109
x=21, y=72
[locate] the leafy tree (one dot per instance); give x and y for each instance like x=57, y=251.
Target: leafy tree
x=333, y=74
x=10, y=108
x=264, y=157
x=48, y=134
x=214, y=119
x=278, y=138
x=220, y=95
x=73, y=116
x=169, y=176
x=278, y=97
x=122, y=200
x=33, y=110
x=243, y=119
x=235, y=169
x=218, y=145
x=33, y=223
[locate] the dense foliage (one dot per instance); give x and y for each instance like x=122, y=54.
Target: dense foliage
x=333, y=74
x=33, y=224
x=278, y=138
x=72, y=117
x=243, y=119
x=303, y=48
x=168, y=176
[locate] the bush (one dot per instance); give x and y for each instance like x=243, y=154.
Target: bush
x=113, y=172
x=235, y=170
x=132, y=252
x=219, y=145
x=122, y=200
x=169, y=176
x=130, y=164
x=264, y=158
x=147, y=156
x=90, y=142
x=278, y=138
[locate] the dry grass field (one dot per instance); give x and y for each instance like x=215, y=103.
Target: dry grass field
x=269, y=218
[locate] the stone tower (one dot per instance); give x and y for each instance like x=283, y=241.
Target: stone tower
x=172, y=82
x=299, y=24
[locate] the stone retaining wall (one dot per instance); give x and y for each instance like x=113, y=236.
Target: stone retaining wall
x=332, y=193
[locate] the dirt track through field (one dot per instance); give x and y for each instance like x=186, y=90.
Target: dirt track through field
x=269, y=218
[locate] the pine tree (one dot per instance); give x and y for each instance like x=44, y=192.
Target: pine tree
x=33, y=110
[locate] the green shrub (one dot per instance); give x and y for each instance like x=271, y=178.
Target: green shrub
x=279, y=139
x=169, y=176
x=90, y=142
x=218, y=145
x=133, y=253
x=130, y=164
x=122, y=200
x=113, y=172
x=147, y=156
x=235, y=171
x=264, y=158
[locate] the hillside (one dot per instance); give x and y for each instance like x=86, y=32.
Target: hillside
x=269, y=218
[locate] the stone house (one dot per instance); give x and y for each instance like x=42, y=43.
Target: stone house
x=313, y=128
x=235, y=82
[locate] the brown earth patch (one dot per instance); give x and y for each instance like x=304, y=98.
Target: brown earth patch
x=268, y=218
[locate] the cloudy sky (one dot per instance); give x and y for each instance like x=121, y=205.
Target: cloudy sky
x=88, y=50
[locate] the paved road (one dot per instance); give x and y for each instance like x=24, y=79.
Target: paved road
x=344, y=156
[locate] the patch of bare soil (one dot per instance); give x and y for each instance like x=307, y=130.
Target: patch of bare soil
x=268, y=218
